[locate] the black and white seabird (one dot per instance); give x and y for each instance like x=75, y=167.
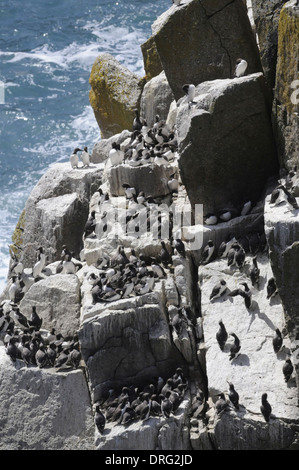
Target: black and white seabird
x=17, y=267
x=41, y=357
x=254, y=273
x=189, y=90
x=40, y=263
x=225, y=246
x=235, y=348
x=138, y=121
x=241, y=66
x=158, y=270
x=165, y=256
x=290, y=197
x=35, y=320
x=22, y=319
x=166, y=405
x=74, y=357
x=74, y=158
x=85, y=157
x=90, y=224
x=224, y=214
x=221, y=404
x=177, y=322
x=12, y=350
x=62, y=358
x=176, y=2
x=99, y=419
x=240, y=257
x=68, y=267
x=173, y=183
x=266, y=408
x=208, y=252
x=246, y=294
x=130, y=191
x=221, y=335
x=271, y=288
x=51, y=354
x=287, y=369
x=178, y=244
x=231, y=255
x=15, y=291
x=210, y=219
x=218, y=290
x=277, y=340
x=116, y=155
x=233, y=395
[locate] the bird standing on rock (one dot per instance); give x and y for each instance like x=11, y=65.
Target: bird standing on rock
x=85, y=157
x=40, y=263
x=208, y=252
x=15, y=291
x=130, y=192
x=235, y=348
x=287, y=369
x=277, y=340
x=41, y=357
x=179, y=246
x=221, y=335
x=218, y=290
x=271, y=288
x=99, y=419
x=189, y=90
x=138, y=122
x=35, y=319
x=241, y=66
x=290, y=198
x=74, y=158
x=165, y=256
x=90, y=224
x=266, y=408
x=20, y=318
x=254, y=272
x=246, y=294
x=116, y=155
x=221, y=404
x=233, y=395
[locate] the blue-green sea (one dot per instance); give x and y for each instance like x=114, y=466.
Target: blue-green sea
x=47, y=50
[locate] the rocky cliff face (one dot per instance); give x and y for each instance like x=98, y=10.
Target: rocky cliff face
x=156, y=306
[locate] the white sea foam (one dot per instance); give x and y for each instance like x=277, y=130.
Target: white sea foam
x=59, y=138
x=126, y=46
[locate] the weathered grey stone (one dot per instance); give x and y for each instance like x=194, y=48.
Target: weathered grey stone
x=57, y=301
x=201, y=40
x=157, y=433
x=266, y=18
x=257, y=369
x=156, y=99
x=197, y=236
x=115, y=93
x=151, y=179
x=127, y=345
x=261, y=436
x=43, y=410
x=57, y=209
x=286, y=102
x=232, y=167
x=282, y=231
x=151, y=60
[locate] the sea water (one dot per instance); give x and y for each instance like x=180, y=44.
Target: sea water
x=47, y=50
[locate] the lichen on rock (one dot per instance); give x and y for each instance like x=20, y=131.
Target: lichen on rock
x=115, y=93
